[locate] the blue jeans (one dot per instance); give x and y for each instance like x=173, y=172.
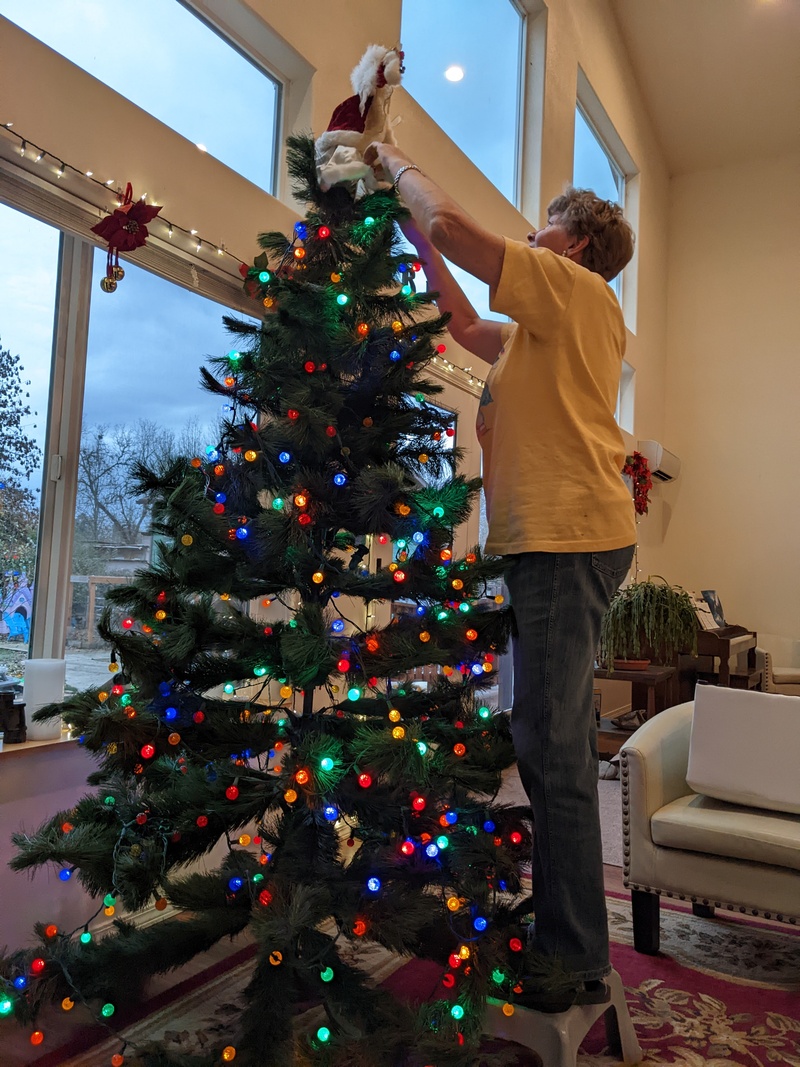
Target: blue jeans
x=558, y=601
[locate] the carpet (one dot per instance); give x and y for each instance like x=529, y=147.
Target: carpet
x=723, y=991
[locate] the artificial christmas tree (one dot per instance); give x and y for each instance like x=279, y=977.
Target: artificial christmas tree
x=258, y=702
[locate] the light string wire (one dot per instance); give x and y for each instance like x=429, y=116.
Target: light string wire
x=42, y=154
x=27, y=146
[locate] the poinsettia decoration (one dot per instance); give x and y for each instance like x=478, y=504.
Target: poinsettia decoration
x=125, y=229
x=638, y=470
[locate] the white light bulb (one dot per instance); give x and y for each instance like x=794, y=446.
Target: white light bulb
x=454, y=73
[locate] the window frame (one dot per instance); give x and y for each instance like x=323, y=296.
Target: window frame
x=29, y=193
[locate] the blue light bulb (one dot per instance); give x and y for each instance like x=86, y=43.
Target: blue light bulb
x=394, y=355
x=235, y=883
x=418, y=537
x=451, y=818
x=220, y=498
x=489, y=826
x=373, y=884
x=337, y=625
x=480, y=924
x=284, y=457
x=432, y=850
x=331, y=813
x=339, y=479
x=65, y=874
x=242, y=533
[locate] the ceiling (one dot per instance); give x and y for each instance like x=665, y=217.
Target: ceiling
x=720, y=78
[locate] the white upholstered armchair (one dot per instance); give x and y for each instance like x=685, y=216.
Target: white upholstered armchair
x=742, y=853
x=776, y=679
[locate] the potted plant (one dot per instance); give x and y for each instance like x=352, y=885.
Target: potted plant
x=647, y=622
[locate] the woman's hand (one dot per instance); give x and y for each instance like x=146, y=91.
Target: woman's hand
x=385, y=160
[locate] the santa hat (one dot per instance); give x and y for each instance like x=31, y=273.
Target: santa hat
x=378, y=67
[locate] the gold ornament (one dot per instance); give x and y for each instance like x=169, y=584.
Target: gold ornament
x=118, y=273
x=108, y=285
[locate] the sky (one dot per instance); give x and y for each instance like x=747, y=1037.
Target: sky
x=148, y=339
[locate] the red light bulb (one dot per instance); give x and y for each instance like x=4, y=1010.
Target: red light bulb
x=365, y=780
x=232, y=792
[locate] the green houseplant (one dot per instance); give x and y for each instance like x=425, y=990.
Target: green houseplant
x=648, y=620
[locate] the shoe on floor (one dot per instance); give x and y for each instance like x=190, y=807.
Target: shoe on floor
x=553, y=1002
x=608, y=771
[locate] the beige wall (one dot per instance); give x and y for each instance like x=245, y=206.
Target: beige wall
x=731, y=520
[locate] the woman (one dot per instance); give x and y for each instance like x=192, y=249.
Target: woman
x=558, y=510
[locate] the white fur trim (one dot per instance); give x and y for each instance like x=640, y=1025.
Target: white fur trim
x=365, y=74
x=334, y=138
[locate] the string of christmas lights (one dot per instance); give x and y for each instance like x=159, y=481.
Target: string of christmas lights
x=29, y=149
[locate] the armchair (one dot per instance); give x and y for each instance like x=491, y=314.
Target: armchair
x=774, y=679
x=684, y=844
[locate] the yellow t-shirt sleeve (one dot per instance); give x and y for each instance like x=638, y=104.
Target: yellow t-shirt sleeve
x=535, y=288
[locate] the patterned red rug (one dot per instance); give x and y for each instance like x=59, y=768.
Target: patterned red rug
x=722, y=991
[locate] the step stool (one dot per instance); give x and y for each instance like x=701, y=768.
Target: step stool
x=557, y=1037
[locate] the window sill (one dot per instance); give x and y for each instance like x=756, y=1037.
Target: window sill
x=30, y=746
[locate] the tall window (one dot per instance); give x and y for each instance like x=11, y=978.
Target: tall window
x=463, y=66
x=595, y=168
x=143, y=401
x=164, y=59
x=28, y=262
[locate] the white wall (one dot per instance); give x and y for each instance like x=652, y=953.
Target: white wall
x=731, y=520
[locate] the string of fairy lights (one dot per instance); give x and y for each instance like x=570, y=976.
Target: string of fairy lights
x=53, y=164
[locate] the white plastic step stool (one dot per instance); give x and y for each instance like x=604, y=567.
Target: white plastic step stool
x=557, y=1037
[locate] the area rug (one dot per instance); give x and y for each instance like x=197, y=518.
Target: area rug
x=723, y=991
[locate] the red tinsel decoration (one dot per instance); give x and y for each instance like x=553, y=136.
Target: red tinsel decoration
x=638, y=470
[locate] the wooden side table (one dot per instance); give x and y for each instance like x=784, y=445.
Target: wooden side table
x=653, y=689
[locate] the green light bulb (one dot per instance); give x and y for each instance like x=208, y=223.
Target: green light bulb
x=457, y=1011
x=263, y=277
x=422, y=747
x=107, y=1011
x=498, y=977
x=327, y=974
x=6, y=1006
x=484, y=712
x=323, y=1034
x=442, y=841
x=353, y=694
x=438, y=513
x=86, y=937
x=342, y=299
x=369, y=221
x=277, y=503
x=326, y=764
x=109, y=900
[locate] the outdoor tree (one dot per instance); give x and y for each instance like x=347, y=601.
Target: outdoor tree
x=264, y=703
x=20, y=456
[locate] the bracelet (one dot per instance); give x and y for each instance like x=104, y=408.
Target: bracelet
x=401, y=172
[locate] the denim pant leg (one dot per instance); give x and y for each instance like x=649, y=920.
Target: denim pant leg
x=558, y=601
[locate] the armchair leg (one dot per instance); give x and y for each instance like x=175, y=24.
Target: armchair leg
x=704, y=911
x=646, y=933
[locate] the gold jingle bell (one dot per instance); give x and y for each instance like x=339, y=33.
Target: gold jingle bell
x=108, y=285
x=118, y=273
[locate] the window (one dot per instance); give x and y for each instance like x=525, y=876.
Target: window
x=174, y=66
x=463, y=66
x=593, y=166
x=28, y=267
x=142, y=401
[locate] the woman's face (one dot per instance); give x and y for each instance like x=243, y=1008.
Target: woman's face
x=552, y=236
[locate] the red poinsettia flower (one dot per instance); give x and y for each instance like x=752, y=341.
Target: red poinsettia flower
x=126, y=227
x=638, y=470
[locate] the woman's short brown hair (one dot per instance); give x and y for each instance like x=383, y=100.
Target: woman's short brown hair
x=583, y=214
